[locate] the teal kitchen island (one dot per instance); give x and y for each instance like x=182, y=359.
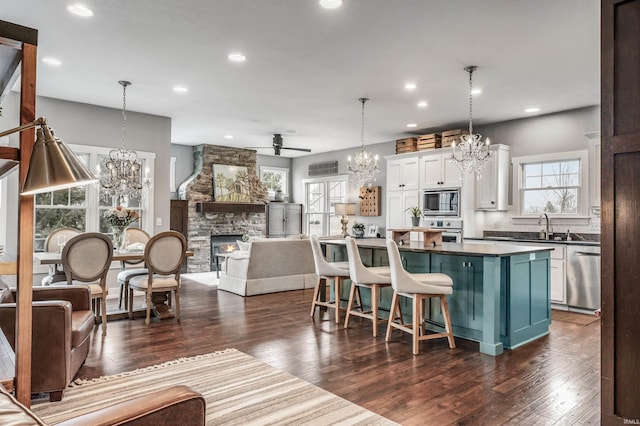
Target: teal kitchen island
x=500, y=292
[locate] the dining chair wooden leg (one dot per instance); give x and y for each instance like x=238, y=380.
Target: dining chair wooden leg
x=392, y=314
x=447, y=321
x=121, y=297
x=177, y=297
x=148, y=317
x=130, y=303
x=103, y=308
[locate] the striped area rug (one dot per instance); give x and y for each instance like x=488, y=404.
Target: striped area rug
x=239, y=390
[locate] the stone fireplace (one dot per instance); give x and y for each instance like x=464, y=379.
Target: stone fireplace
x=208, y=218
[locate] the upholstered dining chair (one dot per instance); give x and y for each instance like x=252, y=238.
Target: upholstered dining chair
x=54, y=243
x=86, y=259
x=417, y=287
x=373, y=278
x=163, y=256
x=327, y=271
x=133, y=236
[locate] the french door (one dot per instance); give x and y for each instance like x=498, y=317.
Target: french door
x=320, y=197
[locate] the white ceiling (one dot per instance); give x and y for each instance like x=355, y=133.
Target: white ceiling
x=306, y=66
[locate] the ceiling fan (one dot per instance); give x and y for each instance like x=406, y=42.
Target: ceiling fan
x=277, y=145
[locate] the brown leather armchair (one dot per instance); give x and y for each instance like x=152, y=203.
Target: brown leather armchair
x=175, y=405
x=62, y=325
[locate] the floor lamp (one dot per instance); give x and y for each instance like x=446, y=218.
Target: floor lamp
x=52, y=165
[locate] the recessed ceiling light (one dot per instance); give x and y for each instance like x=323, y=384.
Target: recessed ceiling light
x=532, y=109
x=412, y=125
x=237, y=57
x=410, y=86
x=422, y=104
x=330, y=4
x=180, y=89
x=51, y=61
x=476, y=91
x=228, y=136
x=80, y=10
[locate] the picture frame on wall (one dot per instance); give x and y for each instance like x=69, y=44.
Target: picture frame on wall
x=231, y=184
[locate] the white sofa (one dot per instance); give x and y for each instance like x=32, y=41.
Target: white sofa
x=272, y=265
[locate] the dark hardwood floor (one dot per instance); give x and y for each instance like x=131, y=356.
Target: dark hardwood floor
x=554, y=380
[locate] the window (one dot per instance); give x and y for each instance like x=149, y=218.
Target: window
x=275, y=178
x=555, y=184
x=320, y=198
x=83, y=207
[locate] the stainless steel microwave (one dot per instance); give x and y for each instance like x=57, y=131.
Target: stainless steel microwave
x=441, y=202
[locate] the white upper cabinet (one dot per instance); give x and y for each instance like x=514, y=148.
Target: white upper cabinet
x=397, y=204
x=438, y=172
x=403, y=174
x=492, y=188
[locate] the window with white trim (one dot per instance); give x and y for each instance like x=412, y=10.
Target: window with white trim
x=321, y=195
x=275, y=178
x=83, y=207
x=555, y=184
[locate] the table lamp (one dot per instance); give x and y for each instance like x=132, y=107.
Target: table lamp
x=345, y=209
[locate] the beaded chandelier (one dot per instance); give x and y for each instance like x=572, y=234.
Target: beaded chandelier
x=364, y=168
x=471, y=153
x=122, y=177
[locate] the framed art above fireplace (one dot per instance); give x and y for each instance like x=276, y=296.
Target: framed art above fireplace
x=231, y=183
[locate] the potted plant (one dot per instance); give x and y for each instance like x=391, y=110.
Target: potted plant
x=358, y=229
x=416, y=214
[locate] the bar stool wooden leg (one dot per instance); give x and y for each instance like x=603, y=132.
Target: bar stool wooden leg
x=392, y=315
x=316, y=294
x=416, y=325
x=375, y=289
x=336, y=289
x=352, y=295
x=447, y=321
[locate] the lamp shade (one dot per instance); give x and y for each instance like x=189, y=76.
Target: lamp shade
x=54, y=166
x=346, y=208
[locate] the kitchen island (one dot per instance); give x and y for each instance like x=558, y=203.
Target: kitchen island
x=500, y=292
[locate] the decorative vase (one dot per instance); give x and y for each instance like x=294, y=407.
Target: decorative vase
x=358, y=233
x=415, y=221
x=119, y=242
x=279, y=196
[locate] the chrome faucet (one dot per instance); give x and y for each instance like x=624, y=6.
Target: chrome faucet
x=546, y=217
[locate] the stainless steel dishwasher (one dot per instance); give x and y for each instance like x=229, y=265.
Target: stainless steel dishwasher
x=583, y=277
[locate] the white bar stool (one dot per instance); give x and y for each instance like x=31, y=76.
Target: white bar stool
x=418, y=287
x=373, y=278
x=326, y=271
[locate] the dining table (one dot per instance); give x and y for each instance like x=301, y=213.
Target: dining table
x=161, y=307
